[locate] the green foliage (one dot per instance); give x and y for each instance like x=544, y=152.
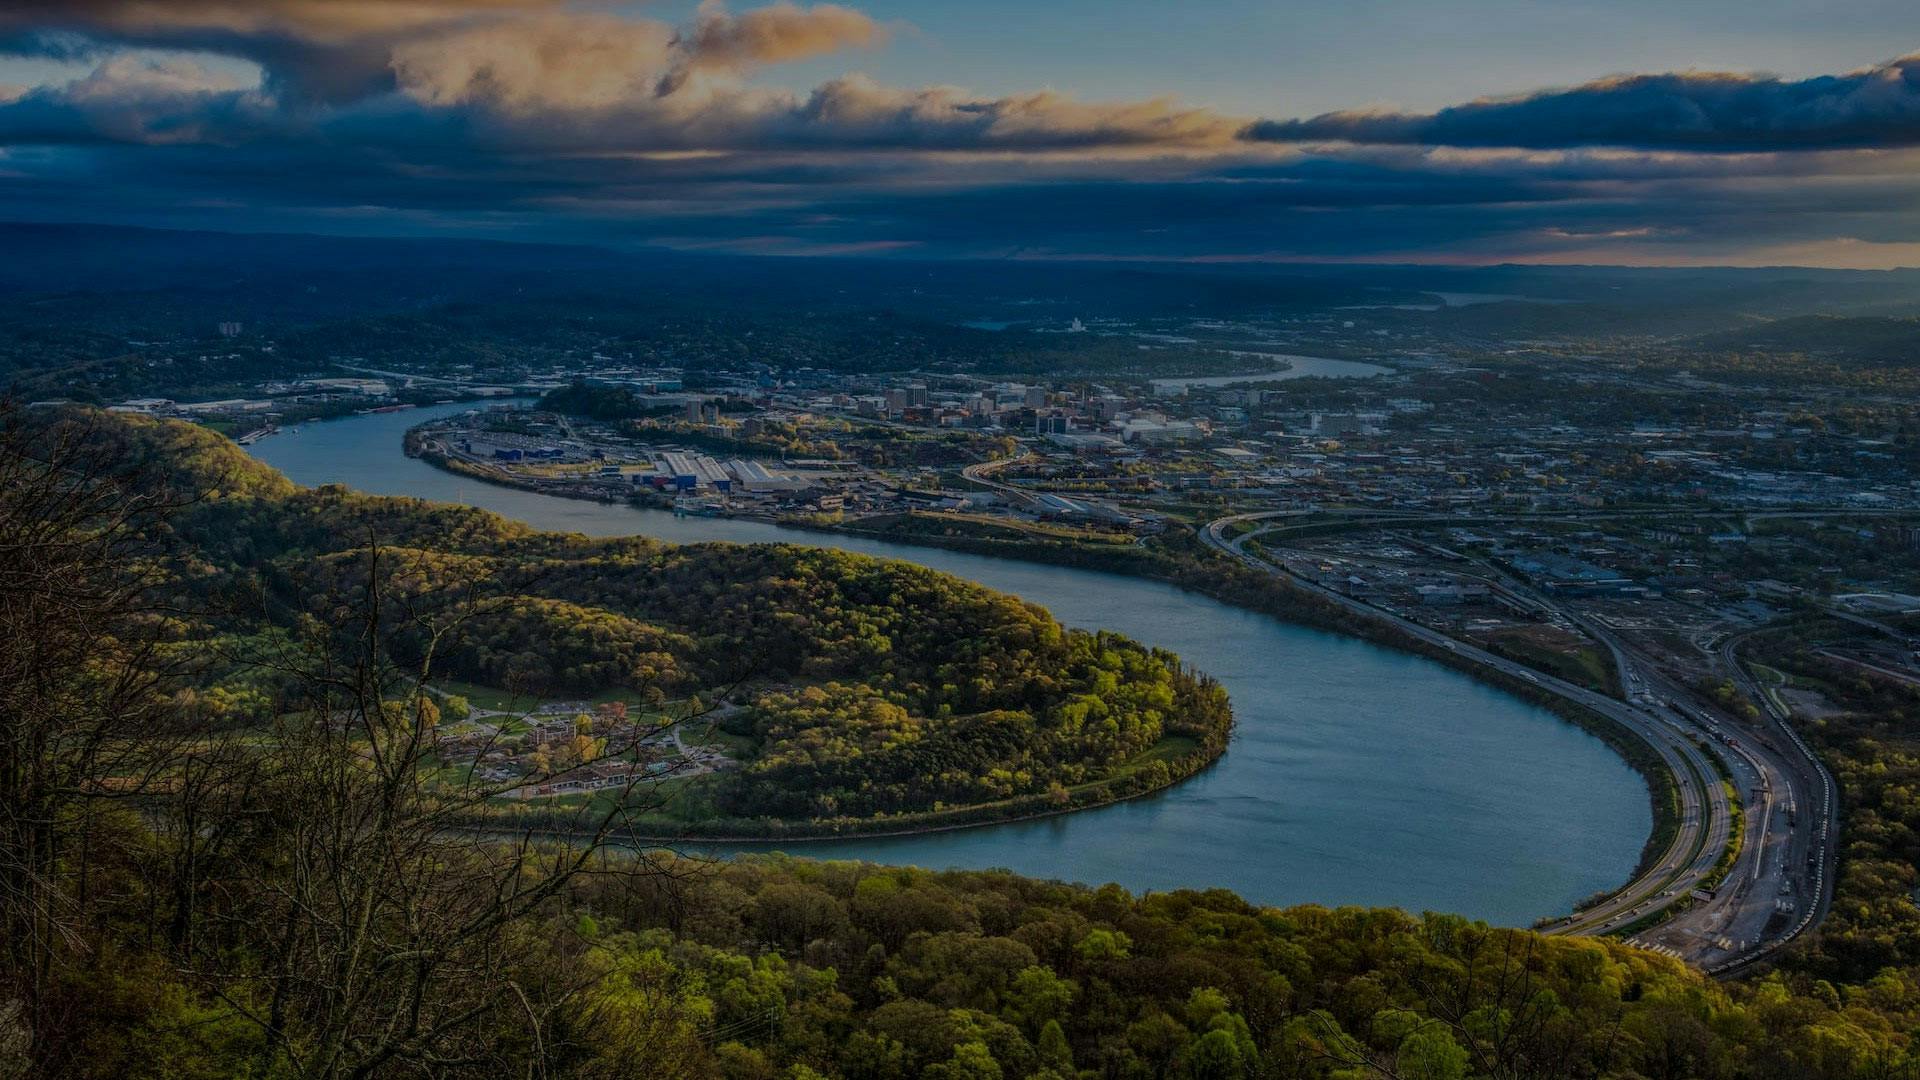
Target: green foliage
x=984, y=974
x=596, y=402
x=1054, y=1050
x=1431, y=1054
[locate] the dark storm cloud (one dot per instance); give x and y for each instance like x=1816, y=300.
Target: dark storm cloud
x=1404, y=208
x=1873, y=107
x=334, y=50
x=140, y=101
x=1312, y=208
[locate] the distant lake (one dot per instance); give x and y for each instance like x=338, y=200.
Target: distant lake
x=1456, y=300
x=1357, y=775
x=1299, y=367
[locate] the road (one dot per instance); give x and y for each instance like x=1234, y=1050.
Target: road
x=982, y=472
x=1898, y=676
x=1787, y=850
x=1780, y=881
x=1380, y=519
x=1808, y=856
x=1872, y=624
x=401, y=377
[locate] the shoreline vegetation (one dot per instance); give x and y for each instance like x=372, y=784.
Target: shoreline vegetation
x=1179, y=559
x=1035, y=807
x=1150, y=774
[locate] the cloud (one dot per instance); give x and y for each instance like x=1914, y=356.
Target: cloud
x=174, y=21
x=775, y=34
x=857, y=111
x=545, y=62
x=137, y=100
x=581, y=62
x=528, y=75
x=340, y=51
x=320, y=50
x=1388, y=205
x=550, y=119
x=1873, y=107
x=616, y=114
x=607, y=87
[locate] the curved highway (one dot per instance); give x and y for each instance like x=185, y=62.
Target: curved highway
x=1687, y=903
x=1780, y=881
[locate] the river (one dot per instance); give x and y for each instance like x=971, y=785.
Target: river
x=1298, y=367
x=1357, y=775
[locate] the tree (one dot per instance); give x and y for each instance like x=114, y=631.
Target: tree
x=795, y=914
x=1431, y=1054
x=970, y=1061
x=1215, y=1056
x=83, y=717
x=379, y=936
x=1204, y=1004
x=1038, y=997
x=1103, y=944
x=1055, y=1052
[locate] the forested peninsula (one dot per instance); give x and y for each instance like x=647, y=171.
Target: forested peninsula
x=840, y=693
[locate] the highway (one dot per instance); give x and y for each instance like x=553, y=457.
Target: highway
x=1786, y=808
x=982, y=473
x=1780, y=881
x=1815, y=850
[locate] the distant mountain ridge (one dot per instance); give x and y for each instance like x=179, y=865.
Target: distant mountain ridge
x=50, y=258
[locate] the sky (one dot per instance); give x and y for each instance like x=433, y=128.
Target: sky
x=1698, y=132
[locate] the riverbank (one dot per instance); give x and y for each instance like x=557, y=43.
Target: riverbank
x=1150, y=776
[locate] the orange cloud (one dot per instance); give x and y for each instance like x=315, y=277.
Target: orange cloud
x=577, y=62
x=544, y=74
x=775, y=34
